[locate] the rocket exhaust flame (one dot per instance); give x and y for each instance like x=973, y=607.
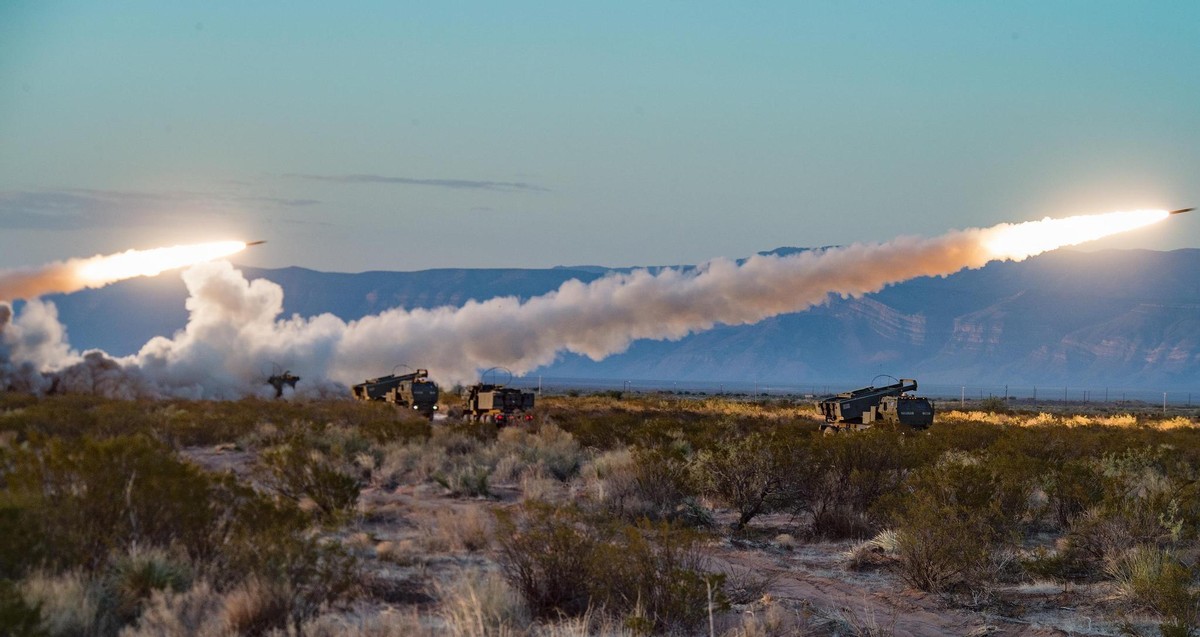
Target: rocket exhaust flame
x=1019, y=241
x=99, y=271
x=234, y=324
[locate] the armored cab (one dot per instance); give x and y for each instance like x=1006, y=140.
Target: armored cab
x=415, y=391
x=861, y=408
x=498, y=404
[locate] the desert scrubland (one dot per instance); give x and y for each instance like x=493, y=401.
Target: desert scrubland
x=606, y=515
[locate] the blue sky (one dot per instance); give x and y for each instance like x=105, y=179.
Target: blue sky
x=397, y=135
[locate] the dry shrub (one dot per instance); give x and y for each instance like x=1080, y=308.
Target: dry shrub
x=1178, y=422
x=991, y=418
x=743, y=585
x=838, y=480
x=550, y=449
x=70, y=503
x=482, y=605
x=466, y=480
x=878, y=550
x=454, y=529
x=197, y=612
x=1147, y=499
x=772, y=620
x=640, y=483
x=1003, y=417
x=1150, y=577
x=401, y=552
x=952, y=514
x=448, y=452
x=69, y=602
x=258, y=606
x=457, y=440
x=388, y=623
x=749, y=474
x=590, y=624
x=134, y=577
x=859, y=623
x=1072, y=487
x=562, y=562
x=608, y=477
x=359, y=540
x=1041, y=420
x=367, y=463
x=510, y=467
x=536, y=485
x=406, y=463
x=557, y=452
x=17, y=616
x=301, y=473
x=940, y=545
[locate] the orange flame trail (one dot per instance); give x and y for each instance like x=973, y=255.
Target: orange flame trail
x=101, y=270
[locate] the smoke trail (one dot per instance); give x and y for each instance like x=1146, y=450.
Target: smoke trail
x=101, y=270
x=234, y=326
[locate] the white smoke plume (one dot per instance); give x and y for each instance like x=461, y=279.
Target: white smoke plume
x=235, y=328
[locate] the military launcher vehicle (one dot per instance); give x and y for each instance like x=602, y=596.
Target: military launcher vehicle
x=494, y=402
x=499, y=404
x=415, y=391
x=861, y=408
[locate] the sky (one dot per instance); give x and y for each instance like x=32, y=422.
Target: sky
x=404, y=136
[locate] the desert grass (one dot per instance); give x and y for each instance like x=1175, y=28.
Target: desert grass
x=555, y=451
x=69, y=602
x=256, y=606
x=537, y=485
x=454, y=529
x=1150, y=577
x=590, y=624
x=858, y=622
x=404, y=552
x=610, y=477
x=468, y=465
x=780, y=409
x=388, y=623
x=883, y=546
x=134, y=577
x=770, y=619
x=477, y=604
x=1122, y=480
x=196, y=612
x=1044, y=419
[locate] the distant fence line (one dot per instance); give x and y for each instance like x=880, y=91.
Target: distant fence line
x=942, y=392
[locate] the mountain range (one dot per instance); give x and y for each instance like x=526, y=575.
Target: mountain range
x=1122, y=318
